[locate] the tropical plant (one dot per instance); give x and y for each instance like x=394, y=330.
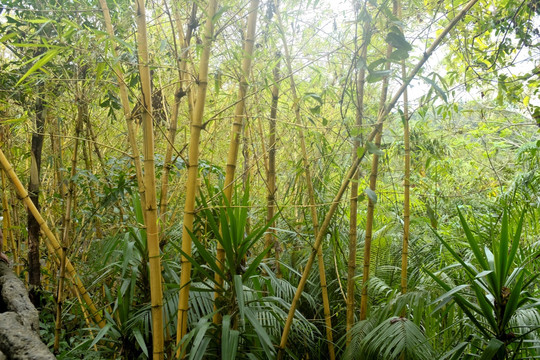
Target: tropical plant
x=253, y=312
x=495, y=294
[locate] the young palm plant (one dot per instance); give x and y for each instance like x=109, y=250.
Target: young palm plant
x=251, y=305
x=495, y=297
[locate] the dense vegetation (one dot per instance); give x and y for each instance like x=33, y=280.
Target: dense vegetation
x=392, y=145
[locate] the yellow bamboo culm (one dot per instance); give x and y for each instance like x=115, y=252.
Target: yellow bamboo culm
x=124, y=99
x=380, y=120
x=236, y=133
x=311, y=191
x=270, y=239
x=406, y=179
x=373, y=187
x=353, y=235
x=192, y=183
x=150, y=206
x=6, y=225
x=82, y=108
x=180, y=91
x=50, y=240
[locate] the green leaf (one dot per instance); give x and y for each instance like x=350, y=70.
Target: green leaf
x=455, y=255
x=450, y=293
x=8, y=36
x=371, y=67
x=371, y=195
x=472, y=242
x=200, y=343
x=493, y=347
x=515, y=242
x=397, y=40
x=436, y=87
x=374, y=149
x=45, y=58
x=219, y=13
x=375, y=76
x=456, y=352
x=486, y=305
x=140, y=340
x=104, y=330
x=512, y=304
x=229, y=339
x=255, y=264
x=263, y=336
x=465, y=305
x=239, y=289
x=398, y=55
x=314, y=96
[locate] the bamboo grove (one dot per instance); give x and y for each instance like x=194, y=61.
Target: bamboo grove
x=181, y=166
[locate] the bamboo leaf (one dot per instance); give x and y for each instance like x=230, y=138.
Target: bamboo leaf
x=101, y=333
x=45, y=58
x=436, y=87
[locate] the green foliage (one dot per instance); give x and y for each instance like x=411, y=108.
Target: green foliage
x=497, y=290
x=252, y=314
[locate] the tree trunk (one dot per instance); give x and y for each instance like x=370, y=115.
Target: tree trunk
x=34, y=268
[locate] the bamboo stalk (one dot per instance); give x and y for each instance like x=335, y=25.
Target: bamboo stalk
x=82, y=112
x=50, y=240
x=271, y=240
x=353, y=235
x=237, y=127
x=406, y=179
x=380, y=120
x=192, y=183
x=124, y=99
x=373, y=187
x=311, y=191
x=180, y=92
x=151, y=219
x=6, y=225
x=93, y=143
x=93, y=198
